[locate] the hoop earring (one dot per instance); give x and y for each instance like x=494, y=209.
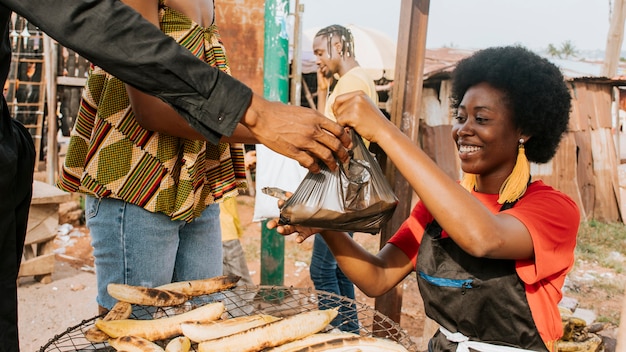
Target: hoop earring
x=515, y=185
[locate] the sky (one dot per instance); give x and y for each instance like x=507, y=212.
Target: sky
x=476, y=24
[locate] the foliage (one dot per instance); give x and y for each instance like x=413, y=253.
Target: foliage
x=598, y=240
x=601, y=249
x=565, y=51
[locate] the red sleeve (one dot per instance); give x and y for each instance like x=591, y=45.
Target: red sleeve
x=409, y=235
x=552, y=219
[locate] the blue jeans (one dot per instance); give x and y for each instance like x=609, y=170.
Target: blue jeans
x=136, y=247
x=327, y=276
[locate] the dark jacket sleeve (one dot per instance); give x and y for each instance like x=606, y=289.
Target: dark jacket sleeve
x=118, y=39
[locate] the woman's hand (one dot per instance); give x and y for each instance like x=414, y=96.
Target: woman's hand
x=285, y=230
x=357, y=110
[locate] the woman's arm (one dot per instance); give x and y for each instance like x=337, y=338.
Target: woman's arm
x=372, y=274
x=115, y=37
x=154, y=114
x=466, y=220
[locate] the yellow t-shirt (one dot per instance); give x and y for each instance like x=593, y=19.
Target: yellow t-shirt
x=355, y=79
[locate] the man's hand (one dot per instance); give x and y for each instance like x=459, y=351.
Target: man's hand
x=296, y=132
x=323, y=82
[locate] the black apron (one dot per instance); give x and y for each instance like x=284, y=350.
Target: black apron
x=481, y=298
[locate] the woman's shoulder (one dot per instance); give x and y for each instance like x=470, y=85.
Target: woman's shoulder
x=539, y=187
x=544, y=196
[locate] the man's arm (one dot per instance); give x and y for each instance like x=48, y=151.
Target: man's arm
x=118, y=39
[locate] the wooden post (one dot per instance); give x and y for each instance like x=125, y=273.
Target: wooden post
x=407, y=97
x=614, y=39
x=50, y=63
x=609, y=69
x=296, y=63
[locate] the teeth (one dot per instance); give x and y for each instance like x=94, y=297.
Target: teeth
x=468, y=149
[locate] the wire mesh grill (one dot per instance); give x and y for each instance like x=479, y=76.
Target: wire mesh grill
x=243, y=301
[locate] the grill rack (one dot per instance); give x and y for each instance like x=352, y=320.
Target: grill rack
x=279, y=301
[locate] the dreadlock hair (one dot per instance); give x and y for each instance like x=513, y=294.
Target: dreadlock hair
x=345, y=38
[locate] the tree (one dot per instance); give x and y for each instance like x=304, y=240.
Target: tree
x=568, y=49
x=553, y=51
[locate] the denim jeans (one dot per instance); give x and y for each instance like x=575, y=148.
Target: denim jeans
x=327, y=276
x=137, y=247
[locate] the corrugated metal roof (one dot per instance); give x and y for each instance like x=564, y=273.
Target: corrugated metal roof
x=442, y=61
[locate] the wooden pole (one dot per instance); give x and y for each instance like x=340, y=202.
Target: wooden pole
x=50, y=71
x=609, y=69
x=406, y=104
x=614, y=39
x=296, y=64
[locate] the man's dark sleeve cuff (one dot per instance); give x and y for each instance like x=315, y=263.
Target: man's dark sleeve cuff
x=217, y=115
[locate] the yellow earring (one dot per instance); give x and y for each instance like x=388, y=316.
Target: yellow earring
x=515, y=185
x=469, y=182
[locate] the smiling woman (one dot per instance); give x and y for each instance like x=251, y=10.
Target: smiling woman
x=478, y=251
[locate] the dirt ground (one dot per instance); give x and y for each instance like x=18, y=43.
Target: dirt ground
x=46, y=310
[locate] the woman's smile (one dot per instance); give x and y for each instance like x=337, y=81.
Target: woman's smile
x=466, y=151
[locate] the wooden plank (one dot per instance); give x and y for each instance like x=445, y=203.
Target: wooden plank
x=584, y=171
x=602, y=101
x=405, y=113
x=586, y=111
x=434, y=111
x=439, y=145
x=37, y=266
x=606, y=207
x=39, y=213
x=44, y=193
x=561, y=171
x=45, y=231
x=574, y=117
x=71, y=81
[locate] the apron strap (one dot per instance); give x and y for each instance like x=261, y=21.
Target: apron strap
x=464, y=343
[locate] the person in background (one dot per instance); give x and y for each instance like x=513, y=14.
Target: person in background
x=138, y=53
x=234, y=261
x=492, y=252
x=234, y=257
x=153, y=188
x=333, y=47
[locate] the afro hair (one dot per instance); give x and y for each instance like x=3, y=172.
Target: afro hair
x=535, y=88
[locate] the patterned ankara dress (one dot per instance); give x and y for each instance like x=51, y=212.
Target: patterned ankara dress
x=111, y=155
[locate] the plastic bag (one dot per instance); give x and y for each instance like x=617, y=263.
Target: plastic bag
x=355, y=197
x=275, y=170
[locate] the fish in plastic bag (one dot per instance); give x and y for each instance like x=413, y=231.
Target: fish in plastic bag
x=355, y=197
